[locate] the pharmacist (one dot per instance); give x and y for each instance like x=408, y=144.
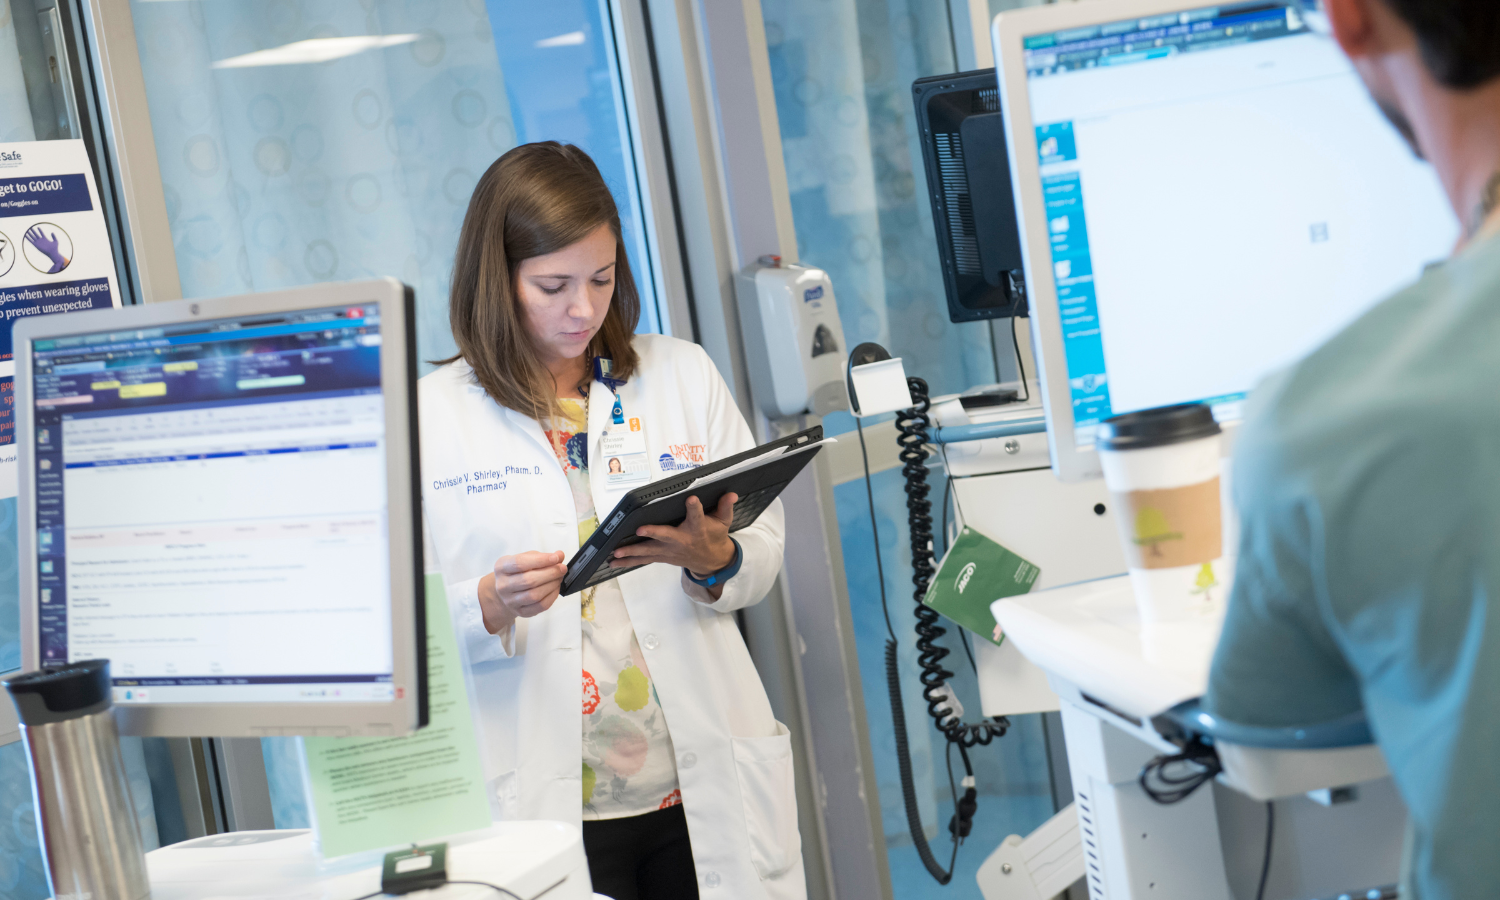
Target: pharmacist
x=669, y=755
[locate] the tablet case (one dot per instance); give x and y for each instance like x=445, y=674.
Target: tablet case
x=665, y=503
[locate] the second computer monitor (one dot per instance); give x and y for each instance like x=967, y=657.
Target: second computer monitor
x=1205, y=193
x=219, y=498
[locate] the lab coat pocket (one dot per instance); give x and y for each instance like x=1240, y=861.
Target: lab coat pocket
x=768, y=791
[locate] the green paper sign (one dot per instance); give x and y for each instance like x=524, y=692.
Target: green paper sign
x=974, y=573
x=371, y=793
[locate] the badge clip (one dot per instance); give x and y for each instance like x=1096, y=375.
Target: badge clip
x=603, y=368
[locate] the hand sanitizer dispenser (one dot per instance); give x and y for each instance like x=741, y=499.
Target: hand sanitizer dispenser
x=793, y=339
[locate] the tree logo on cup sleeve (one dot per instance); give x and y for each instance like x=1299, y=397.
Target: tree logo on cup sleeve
x=1205, y=582
x=1152, y=529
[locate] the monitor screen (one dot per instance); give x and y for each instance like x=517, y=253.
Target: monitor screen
x=211, y=508
x=1220, y=196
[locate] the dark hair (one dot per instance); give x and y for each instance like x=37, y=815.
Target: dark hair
x=1459, y=39
x=534, y=200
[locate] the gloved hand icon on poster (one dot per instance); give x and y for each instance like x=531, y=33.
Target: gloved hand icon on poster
x=7, y=255
x=48, y=248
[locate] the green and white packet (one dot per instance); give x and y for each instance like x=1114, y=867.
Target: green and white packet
x=974, y=573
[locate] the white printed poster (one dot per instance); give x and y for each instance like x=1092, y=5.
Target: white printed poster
x=54, y=255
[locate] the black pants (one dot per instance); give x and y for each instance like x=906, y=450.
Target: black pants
x=645, y=857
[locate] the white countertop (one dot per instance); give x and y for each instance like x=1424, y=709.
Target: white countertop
x=1090, y=635
x=528, y=858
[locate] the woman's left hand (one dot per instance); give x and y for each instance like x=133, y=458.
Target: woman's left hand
x=700, y=544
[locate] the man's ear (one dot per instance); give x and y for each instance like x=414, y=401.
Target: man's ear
x=1354, y=26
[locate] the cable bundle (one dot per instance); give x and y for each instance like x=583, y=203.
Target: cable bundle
x=1202, y=765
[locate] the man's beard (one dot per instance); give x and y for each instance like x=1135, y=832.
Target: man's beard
x=1402, y=124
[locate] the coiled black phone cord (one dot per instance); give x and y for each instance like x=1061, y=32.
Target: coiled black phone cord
x=911, y=425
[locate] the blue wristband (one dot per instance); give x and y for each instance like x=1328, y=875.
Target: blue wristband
x=723, y=574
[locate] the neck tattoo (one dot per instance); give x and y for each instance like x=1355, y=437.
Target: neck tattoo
x=1489, y=201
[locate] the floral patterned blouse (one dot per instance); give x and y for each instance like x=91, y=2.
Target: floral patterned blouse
x=629, y=767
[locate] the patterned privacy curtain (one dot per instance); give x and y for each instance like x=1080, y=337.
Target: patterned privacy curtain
x=360, y=166
x=826, y=142
x=842, y=71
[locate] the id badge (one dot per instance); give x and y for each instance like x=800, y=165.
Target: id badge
x=622, y=450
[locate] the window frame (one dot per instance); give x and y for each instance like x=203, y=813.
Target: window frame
x=656, y=191
x=88, y=114
x=151, y=256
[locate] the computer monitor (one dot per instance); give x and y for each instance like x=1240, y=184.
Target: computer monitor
x=221, y=498
x=963, y=154
x=1205, y=193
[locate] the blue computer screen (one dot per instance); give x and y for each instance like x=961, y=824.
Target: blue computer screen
x=211, y=509
x=1221, y=196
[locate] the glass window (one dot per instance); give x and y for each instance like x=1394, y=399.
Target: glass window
x=328, y=140
x=37, y=103
x=302, y=141
x=22, y=875
x=842, y=72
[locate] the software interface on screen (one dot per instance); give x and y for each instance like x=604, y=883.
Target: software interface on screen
x=211, y=508
x=1221, y=197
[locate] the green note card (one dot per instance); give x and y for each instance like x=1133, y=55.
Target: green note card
x=974, y=573
x=370, y=793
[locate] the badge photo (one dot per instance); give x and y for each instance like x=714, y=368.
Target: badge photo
x=623, y=450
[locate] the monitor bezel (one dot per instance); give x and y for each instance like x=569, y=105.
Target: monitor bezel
x=404, y=713
x=1007, y=32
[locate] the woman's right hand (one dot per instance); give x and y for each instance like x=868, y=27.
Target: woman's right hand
x=521, y=586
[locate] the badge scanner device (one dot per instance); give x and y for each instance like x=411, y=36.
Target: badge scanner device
x=1189, y=198
x=220, y=497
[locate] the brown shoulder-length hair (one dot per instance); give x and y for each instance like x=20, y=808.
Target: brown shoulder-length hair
x=534, y=200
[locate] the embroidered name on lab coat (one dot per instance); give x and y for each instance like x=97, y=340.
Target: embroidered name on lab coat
x=482, y=480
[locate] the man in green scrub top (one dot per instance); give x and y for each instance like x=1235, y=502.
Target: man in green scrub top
x=1368, y=480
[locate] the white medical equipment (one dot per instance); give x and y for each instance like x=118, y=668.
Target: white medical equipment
x=220, y=497
x=1074, y=645
x=1118, y=686
x=1191, y=220
x=793, y=337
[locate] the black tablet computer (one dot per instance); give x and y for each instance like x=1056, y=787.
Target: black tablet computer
x=757, y=476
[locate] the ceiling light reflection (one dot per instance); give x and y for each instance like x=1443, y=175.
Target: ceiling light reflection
x=571, y=39
x=314, y=50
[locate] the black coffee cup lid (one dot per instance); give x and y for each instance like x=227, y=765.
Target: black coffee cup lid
x=58, y=693
x=1160, y=427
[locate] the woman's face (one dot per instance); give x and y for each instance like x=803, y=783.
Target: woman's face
x=565, y=295
x=614, y=465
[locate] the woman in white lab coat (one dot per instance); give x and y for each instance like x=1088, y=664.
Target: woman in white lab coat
x=669, y=755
